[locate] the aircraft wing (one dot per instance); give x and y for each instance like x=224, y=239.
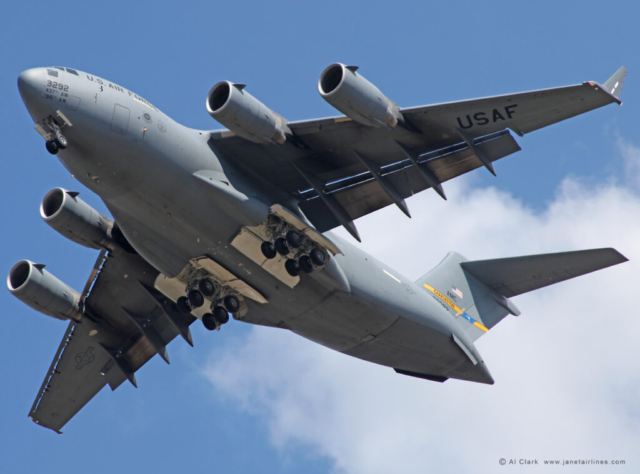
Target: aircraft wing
x=125, y=323
x=340, y=169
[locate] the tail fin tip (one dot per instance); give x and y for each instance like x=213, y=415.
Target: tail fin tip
x=614, y=84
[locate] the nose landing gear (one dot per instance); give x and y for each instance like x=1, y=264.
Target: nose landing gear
x=59, y=142
x=50, y=129
x=52, y=147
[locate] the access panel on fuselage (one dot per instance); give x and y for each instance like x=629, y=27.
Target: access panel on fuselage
x=120, y=121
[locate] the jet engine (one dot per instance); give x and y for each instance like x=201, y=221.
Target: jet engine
x=245, y=115
x=357, y=98
x=76, y=220
x=39, y=289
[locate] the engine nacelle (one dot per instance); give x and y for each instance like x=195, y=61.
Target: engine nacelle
x=245, y=115
x=76, y=220
x=357, y=98
x=39, y=289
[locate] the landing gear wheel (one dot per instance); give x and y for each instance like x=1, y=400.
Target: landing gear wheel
x=183, y=305
x=292, y=267
x=52, y=147
x=195, y=298
x=281, y=246
x=317, y=257
x=220, y=314
x=206, y=287
x=209, y=321
x=268, y=250
x=293, y=239
x=305, y=264
x=232, y=304
x=61, y=141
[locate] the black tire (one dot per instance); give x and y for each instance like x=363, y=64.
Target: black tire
x=294, y=239
x=183, y=305
x=220, y=314
x=232, y=303
x=281, y=246
x=292, y=267
x=52, y=147
x=206, y=287
x=305, y=264
x=209, y=321
x=61, y=141
x=317, y=257
x=268, y=250
x=195, y=299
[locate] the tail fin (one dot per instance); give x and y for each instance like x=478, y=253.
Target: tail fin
x=614, y=84
x=477, y=292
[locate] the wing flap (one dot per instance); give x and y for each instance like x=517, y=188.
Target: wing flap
x=362, y=195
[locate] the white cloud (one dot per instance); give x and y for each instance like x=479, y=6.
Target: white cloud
x=631, y=158
x=566, y=371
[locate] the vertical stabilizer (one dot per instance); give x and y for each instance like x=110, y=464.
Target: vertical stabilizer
x=477, y=293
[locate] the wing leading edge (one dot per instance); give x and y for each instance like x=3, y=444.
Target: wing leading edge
x=363, y=168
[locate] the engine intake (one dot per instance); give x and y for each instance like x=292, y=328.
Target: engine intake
x=356, y=97
x=69, y=215
x=39, y=289
x=245, y=115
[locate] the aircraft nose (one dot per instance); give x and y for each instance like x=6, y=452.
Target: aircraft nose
x=28, y=82
x=31, y=86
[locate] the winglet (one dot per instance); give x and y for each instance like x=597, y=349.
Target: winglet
x=614, y=84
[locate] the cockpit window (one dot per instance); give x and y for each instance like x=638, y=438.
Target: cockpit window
x=72, y=71
x=53, y=73
x=59, y=67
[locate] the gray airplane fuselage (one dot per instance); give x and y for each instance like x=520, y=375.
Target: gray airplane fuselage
x=142, y=164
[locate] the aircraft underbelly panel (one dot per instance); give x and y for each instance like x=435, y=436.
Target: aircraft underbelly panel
x=411, y=346
x=341, y=322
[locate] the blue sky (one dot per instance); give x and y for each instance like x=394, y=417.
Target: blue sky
x=171, y=53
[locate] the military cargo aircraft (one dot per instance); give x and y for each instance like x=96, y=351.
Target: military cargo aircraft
x=235, y=221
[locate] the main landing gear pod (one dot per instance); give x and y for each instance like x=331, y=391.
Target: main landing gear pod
x=223, y=302
x=304, y=255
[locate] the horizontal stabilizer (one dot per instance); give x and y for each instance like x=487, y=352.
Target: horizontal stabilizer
x=614, y=84
x=517, y=275
x=477, y=293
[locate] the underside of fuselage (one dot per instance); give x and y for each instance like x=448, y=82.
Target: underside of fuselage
x=208, y=224
x=145, y=172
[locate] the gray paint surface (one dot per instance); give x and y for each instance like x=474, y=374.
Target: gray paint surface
x=177, y=194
